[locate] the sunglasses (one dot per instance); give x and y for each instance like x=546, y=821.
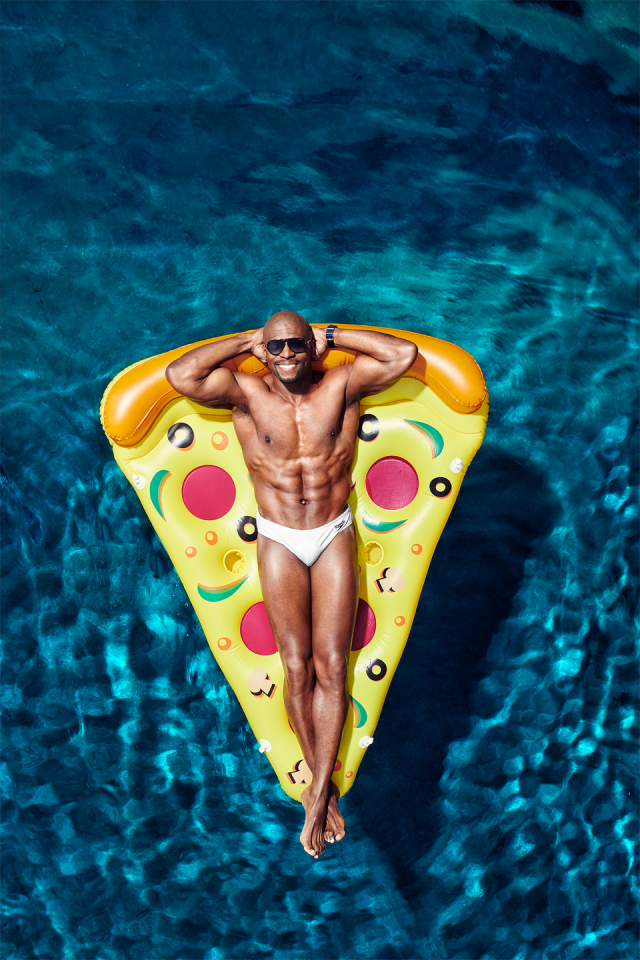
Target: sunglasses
x=297, y=344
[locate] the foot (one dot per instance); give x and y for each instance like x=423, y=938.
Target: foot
x=335, y=828
x=312, y=836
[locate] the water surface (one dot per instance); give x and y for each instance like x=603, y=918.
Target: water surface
x=464, y=169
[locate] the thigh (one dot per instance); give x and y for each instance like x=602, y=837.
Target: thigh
x=334, y=594
x=286, y=590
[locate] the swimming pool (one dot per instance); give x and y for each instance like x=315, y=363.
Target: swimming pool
x=468, y=170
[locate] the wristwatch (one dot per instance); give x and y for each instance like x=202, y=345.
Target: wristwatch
x=329, y=335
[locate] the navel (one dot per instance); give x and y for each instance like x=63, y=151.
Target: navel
x=268, y=439
x=304, y=502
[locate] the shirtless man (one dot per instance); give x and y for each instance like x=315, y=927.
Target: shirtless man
x=297, y=429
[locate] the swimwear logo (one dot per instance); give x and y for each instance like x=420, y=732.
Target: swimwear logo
x=340, y=525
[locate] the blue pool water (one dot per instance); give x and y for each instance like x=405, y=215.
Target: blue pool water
x=465, y=169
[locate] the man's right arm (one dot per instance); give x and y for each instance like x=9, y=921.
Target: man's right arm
x=199, y=375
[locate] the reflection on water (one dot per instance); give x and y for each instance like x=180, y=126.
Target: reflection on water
x=174, y=171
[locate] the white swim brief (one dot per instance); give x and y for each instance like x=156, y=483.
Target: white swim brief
x=306, y=545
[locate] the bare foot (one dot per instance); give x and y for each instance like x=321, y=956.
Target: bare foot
x=335, y=829
x=312, y=836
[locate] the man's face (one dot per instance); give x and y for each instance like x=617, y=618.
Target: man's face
x=288, y=367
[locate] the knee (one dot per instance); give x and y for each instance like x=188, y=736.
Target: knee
x=299, y=672
x=331, y=671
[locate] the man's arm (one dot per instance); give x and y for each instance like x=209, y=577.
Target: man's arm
x=383, y=358
x=199, y=376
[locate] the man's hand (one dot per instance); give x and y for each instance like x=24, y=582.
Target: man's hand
x=257, y=346
x=319, y=342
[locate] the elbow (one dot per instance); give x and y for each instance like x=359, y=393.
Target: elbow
x=175, y=377
x=410, y=354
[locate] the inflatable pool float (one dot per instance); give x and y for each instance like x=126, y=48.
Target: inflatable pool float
x=416, y=441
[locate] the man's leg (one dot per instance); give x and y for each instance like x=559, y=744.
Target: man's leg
x=334, y=592
x=286, y=588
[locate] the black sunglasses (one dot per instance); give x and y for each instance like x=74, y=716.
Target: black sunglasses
x=297, y=344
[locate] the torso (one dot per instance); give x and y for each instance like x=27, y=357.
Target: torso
x=299, y=452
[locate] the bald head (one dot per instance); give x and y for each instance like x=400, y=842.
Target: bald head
x=286, y=323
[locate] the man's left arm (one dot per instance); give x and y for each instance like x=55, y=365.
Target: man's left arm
x=382, y=358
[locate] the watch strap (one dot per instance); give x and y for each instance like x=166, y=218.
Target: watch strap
x=329, y=335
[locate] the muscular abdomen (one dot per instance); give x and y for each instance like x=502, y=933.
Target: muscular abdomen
x=300, y=456
x=302, y=493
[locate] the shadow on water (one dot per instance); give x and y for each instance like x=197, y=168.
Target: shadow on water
x=504, y=506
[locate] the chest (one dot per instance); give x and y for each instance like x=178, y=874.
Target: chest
x=302, y=429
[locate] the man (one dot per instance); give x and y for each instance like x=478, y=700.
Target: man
x=297, y=429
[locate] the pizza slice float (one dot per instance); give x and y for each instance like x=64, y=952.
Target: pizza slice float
x=415, y=443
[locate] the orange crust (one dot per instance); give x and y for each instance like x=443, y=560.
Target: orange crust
x=137, y=396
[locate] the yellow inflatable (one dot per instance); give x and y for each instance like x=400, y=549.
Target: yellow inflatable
x=416, y=441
